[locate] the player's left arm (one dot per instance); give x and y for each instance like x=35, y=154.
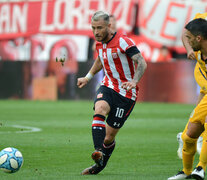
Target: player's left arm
x=141, y=67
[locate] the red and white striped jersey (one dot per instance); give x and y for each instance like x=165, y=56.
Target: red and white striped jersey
x=118, y=67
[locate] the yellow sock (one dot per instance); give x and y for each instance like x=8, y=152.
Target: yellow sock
x=203, y=155
x=189, y=150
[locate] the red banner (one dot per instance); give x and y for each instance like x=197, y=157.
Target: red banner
x=30, y=29
x=60, y=16
x=162, y=21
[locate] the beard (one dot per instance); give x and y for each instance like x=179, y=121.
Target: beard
x=196, y=48
x=105, y=37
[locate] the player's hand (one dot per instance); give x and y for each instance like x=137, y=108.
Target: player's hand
x=129, y=85
x=82, y=82
x=191, y=55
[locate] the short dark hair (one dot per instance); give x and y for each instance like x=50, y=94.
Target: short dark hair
x=198, y=27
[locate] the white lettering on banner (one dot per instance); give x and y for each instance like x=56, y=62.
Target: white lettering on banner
x=70, y=15
x=13, y=19
x=5, y=18
x=57, y=14
x=75, y=13
x=43, y=19
x=19, y=18
x=60, y=16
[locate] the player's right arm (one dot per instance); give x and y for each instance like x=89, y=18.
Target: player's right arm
x=97, y=66
x=190, y=52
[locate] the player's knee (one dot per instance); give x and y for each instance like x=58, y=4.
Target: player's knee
x=188, y=139
x=101, y=109
x=189, y=144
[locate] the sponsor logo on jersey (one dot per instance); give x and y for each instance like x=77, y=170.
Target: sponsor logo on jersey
x=114, y=55
x=100, y=95
x=104, y=55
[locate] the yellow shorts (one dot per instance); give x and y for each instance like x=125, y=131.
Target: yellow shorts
x=200, y=112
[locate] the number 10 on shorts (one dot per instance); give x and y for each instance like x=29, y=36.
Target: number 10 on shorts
x=119, y=112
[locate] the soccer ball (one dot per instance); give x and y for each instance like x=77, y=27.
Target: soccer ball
x=11, y=160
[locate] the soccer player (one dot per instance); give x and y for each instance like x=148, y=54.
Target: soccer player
x=191, y=55
x=196, y=32
x=112, y=21
x=116, y=97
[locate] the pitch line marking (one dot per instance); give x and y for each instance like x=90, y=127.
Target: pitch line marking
x=28, y=129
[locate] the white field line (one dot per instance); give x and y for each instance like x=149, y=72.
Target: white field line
x=28, y=129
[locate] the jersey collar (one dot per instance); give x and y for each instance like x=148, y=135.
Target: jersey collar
x=110, y=39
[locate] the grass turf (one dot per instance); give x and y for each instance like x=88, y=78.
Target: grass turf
x=145, y=150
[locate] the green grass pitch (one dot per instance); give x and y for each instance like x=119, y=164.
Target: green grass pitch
x=145, y=147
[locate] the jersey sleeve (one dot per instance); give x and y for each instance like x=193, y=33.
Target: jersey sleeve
x=125, y=43
x=132, y=51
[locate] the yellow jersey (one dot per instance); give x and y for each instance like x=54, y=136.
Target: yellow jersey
x=200, y=71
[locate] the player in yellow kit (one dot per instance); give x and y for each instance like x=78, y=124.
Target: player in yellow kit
x=196, y=33
x=192, y=55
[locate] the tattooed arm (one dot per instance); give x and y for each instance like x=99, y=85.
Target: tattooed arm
x=141, y=67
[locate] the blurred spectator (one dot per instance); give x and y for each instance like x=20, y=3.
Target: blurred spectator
x=165, y=55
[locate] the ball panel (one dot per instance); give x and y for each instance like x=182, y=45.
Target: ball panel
x=3, y=159
x=18, y=154
x=13, y=163
x=9, y=149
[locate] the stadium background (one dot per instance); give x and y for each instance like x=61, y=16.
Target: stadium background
x=33, y=33
x=55, y=136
